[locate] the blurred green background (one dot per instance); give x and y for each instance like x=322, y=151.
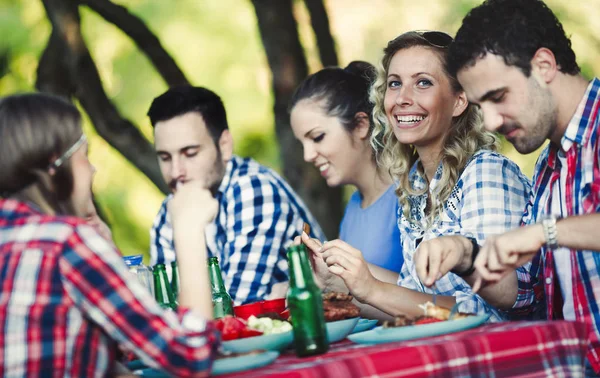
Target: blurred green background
x=217, y=45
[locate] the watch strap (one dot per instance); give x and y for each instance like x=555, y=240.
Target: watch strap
x=474, y=253
x=550, y=231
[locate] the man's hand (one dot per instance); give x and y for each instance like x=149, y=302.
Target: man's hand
x=349, y=264
x=436, y=257
x=501, y=254
x=192, y=207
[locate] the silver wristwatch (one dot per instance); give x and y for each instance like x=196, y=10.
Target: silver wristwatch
x=550, y=232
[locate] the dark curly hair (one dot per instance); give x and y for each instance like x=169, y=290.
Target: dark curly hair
x=514, y=30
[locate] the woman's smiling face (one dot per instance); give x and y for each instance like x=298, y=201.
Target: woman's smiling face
x=326, y=143
x=419, y=101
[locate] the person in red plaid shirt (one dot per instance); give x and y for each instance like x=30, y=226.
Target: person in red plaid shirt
x=67, y=300
x=515, y=61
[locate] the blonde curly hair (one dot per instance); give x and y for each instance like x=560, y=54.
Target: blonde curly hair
x=466, y=135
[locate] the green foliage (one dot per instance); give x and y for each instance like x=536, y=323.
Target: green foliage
x=217, y=45
x=260, y=146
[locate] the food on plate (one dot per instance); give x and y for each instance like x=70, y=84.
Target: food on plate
x=431, y=314
x=233, y=328
x=399, y=321
x=438, y=312
x=403, y=320
x=339, y=306
x=268, y=326
x=425, y=320
x=441, y=313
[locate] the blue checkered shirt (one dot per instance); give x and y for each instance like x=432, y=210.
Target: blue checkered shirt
x=259, y=216
x=488, y=199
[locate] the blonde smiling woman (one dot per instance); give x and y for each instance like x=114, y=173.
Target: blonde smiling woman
x=450, y=180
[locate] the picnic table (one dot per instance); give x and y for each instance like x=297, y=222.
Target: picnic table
x=532, y=349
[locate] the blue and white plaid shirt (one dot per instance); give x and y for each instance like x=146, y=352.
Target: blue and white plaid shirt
x=259, y=216
x=488, y=199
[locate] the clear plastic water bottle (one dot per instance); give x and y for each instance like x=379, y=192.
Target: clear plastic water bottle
x=141, y=271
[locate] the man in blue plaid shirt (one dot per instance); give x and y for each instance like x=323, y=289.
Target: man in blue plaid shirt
x=259, y=213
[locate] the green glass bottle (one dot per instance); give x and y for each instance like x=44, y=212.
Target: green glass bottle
x=175, y=281
x=162, y=288
x=222, y=303
x=306, y=305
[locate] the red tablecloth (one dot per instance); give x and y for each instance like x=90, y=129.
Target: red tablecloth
x=531, y=349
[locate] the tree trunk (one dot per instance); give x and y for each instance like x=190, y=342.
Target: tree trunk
x=286, y=59
x=72, y=58
x=53, y=71
x=320, y=24
x=137, y=30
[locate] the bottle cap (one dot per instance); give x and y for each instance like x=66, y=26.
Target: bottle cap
x=133, y=260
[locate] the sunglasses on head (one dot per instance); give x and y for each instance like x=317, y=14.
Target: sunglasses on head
x=435, y=38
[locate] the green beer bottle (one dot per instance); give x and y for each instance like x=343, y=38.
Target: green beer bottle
x=175, y=280
x=222, y=303
x=162, y=288
x=306, y=305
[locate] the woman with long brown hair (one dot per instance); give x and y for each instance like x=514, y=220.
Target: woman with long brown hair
x=331, y=115
x=66, y=297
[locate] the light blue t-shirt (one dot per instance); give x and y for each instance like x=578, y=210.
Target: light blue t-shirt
x=374, y=230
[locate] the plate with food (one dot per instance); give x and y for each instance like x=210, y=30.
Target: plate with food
x=241, y=336
x=433, y=322
x=341, y=315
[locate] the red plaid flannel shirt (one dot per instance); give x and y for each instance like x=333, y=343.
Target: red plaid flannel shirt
x=67, y=300
x=581, y=187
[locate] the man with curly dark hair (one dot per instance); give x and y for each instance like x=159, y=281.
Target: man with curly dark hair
x=514, y=60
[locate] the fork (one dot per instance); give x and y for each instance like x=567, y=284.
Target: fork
x=434, y=288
